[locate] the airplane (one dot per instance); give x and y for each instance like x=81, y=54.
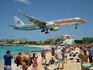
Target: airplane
x=45, y=26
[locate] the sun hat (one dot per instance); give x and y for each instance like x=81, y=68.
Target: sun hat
x=59, y=47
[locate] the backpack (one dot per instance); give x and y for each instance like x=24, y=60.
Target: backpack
x=17, y=61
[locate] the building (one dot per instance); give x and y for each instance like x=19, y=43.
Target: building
x=67, y=36
x=6, y=41
x=69, y=41
x=87, y=39
x=17, y=41
x=63, y=37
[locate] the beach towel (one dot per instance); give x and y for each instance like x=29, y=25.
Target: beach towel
x=73, y=62
x=50, y=63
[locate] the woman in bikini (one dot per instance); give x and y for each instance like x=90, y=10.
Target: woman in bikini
x=84, y=59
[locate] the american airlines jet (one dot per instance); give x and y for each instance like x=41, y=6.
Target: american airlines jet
x=45, y=26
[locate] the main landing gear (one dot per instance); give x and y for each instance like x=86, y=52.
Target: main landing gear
x=44, y=31
x=76, y=26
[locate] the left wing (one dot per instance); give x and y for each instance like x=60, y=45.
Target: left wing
x=39, y=23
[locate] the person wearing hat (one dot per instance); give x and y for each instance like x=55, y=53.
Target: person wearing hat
x=59, y=53
x=7, y=60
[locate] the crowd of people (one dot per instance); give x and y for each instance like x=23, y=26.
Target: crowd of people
x=24, y=61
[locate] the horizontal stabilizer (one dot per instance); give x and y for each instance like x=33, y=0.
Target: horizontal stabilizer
x=13, y=26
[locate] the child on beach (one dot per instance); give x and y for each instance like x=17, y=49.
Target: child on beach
x=44, y=61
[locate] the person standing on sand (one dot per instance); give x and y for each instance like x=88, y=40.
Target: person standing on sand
x=65, y=57
x=63, y=51
x=84, y=57
x=18, y=59
x=90, y=50
x=34, y=58
x=44, y=54
x=7, y=60
x=59, y=53
x=53, y=50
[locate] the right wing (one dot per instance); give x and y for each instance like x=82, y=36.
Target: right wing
x=39, y=23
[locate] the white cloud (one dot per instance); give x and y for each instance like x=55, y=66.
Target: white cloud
x=24, y=1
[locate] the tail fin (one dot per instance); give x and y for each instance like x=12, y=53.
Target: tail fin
x=18, y=22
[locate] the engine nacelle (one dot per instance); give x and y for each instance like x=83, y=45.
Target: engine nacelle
x=54, y=29
x=50, y=25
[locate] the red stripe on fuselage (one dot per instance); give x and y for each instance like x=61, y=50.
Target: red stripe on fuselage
x=29, y=26
x=69, y=21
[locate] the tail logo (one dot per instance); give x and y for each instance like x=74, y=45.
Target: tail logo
x=18, y=22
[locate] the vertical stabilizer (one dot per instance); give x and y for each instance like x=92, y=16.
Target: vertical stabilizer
x=18, y=22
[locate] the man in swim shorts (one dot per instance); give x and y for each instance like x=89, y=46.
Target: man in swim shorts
x=7, y=60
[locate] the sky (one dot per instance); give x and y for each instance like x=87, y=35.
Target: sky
x=46, y=10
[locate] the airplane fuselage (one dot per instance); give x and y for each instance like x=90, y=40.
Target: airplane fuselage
x=55, y=23
x=65, y=22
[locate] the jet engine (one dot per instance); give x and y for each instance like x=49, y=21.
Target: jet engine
x=54, y=29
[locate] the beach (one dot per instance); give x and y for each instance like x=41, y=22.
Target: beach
x=67, y=66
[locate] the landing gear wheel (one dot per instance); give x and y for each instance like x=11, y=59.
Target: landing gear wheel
x=42, y=30
x=46, y=32
x=76, y=26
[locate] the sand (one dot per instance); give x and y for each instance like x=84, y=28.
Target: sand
x=67, y=66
